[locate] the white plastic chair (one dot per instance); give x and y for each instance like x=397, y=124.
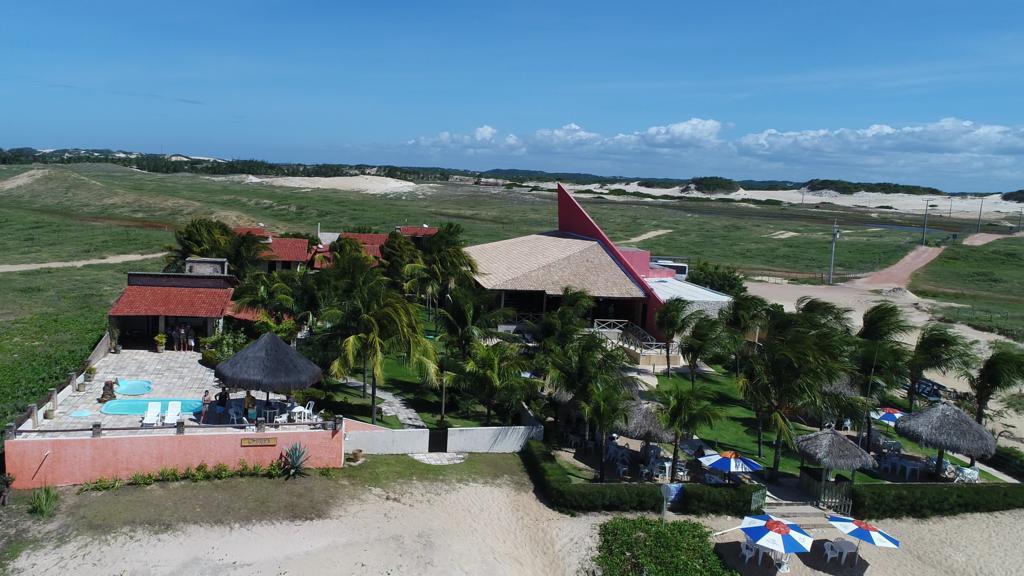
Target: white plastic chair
x=173, y=412
x=248, y=427
x=747, y=552
x=235, y=414
x=830, y=551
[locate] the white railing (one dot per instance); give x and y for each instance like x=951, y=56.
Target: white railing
x=630, y=336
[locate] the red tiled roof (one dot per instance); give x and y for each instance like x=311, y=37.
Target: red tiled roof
x=288, y=250
x=173, y=301
x=248, y=313
x=366, y=239
x=417, y=231
x=254, y=230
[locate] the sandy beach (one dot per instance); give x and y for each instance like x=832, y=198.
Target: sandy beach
x=474, y=529
x=364, y=184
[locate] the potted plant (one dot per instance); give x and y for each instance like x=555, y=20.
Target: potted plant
x=90, y=373
x=161, y=340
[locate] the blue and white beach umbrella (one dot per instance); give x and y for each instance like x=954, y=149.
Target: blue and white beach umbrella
x=863, y=531
x=776, y=534
x=730, y=461
x=887, y=415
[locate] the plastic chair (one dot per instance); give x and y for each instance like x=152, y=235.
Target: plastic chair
x=747, y=552
x=830, y=551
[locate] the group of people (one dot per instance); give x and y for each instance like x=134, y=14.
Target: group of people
x=181, y=338
x=220, y=404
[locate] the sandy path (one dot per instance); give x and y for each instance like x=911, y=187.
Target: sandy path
x=898, y=275
x=983, y=238
x=646, y=236
x=426, y=529
x=78, y=263
x=22, y=179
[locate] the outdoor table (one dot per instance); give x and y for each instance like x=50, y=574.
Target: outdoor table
x=845, y=546
x=910, y=466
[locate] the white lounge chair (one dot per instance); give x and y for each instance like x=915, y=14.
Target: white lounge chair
x=152, y=417
x=173, y=412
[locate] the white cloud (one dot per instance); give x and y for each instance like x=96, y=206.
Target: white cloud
x=484, y=133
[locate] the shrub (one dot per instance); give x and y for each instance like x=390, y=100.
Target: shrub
x=199, y=473
x=926, y=500
x=1009, y=460
x=139, y=479
x=275, y=469
x=221, y=471
x=256, y=470
x=630, y=546
x=242, y=469
x=101, y=484
x=43, y=502
x=169, y=475
x=562, y=493
x=294, y=464
x=328, y=472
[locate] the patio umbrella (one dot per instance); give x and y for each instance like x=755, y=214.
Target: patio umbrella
x=946, y=427
x=863, y=531
x=829, y=449
x=887, y=415
x=268, y=365
x=729, y=462
x=776, y=534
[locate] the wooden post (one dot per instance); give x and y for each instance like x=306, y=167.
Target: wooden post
x=33, y=415
x=53, y=396
x=179, y=427
x=97, y=429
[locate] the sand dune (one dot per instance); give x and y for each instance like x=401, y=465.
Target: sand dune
x=22, y=179
x=364, y=184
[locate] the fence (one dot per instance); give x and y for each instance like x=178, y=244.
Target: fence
x=386, y=441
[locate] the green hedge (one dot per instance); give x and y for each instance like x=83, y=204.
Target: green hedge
x=926, y=500
x=631, y=546
x=562, y=493
x=1009, y=460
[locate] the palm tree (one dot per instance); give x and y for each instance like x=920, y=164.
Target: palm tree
x=684, y=409
x=585, y=362
x=1002, y=370
x=200, y=237
x=744, y=314
x=673, y=320
x=267, y=293
x=802, y=353
x=937, y=348
x=605, y=406
x=560, y=326
x=382, y=323
x=446, y=260
x=244, y=254
x=880, y=355
x=706, y=337
x=494, y=375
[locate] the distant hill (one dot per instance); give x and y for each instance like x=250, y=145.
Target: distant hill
x=1017, y=196
x=171, y=163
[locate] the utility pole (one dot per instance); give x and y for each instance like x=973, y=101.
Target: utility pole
x=950, y=206
x=924, y=228
x=979, y=212
x=832, y=259
x=1020, y=218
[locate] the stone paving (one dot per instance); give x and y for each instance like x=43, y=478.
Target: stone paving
x=392, y=405
x=440, y=458
x=173, y=375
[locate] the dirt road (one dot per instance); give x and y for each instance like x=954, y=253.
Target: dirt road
x=78, y=263
x=898, y=275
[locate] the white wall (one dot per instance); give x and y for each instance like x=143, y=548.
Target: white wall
x=493, y=439
x=411, y=441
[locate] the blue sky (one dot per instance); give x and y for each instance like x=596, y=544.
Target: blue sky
x=916, y=92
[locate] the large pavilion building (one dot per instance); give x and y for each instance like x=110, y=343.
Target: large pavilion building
x=530, y=272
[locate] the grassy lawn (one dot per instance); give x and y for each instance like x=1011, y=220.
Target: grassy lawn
x=460, y=412
x=235, y=501
x=983, y=284
x=49, y=322
x=31, y=236
x=349, y=402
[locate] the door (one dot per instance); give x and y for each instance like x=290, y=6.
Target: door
x=438, y=440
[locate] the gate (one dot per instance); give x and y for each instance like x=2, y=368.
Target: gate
x=438, y=440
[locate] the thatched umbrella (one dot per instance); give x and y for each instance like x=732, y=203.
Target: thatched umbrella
x=268, y=365
x=833, y=451
x=946, y=427
x=642, y=423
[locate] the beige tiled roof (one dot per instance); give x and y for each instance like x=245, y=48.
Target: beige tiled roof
x=551, y=262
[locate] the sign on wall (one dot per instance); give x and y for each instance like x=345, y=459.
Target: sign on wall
x=250, y=442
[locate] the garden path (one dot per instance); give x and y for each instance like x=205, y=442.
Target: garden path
x=79, y=263
x=392, y=405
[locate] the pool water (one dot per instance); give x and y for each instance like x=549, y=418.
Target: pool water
x=133, y=387
x=137, y=407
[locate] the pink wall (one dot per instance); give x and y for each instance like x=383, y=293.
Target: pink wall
x=36, y=462
x=639, y=260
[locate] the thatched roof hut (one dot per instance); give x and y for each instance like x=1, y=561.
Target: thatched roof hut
x=642, y=423
x=830, y=449
x=268, y=365
x=946, y=427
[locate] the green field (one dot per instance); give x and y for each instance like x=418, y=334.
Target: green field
x=983, y=284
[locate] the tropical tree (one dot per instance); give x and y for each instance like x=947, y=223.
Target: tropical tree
x=706, y=337
x=244, y=255
x=382, y=323
x=605, y=406
x=937, y=348
x=585, y=362
x=880, y=356
x=494, y=375
x=396, y=254
x=268, y=293
x=683, y=409
x=801, y=354
x=746, y=313
x=200, y=237
x=673, y=319
x=445, y=260
x=1002, y=370
x=561, y=325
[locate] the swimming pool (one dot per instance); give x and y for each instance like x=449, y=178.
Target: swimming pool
x=133, y=387
x=137, y=407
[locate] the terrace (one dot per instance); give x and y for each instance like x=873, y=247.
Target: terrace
x=174, y=375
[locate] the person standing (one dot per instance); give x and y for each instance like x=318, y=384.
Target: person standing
x=191, y=339
x=207, y=400
x=174, y=338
